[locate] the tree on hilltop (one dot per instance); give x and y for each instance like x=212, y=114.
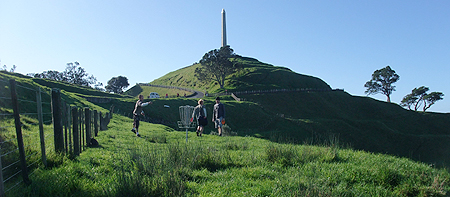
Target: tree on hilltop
x=419, y=96
x=13, y=68
x=117, y=84
x=381, y=82
x=216, y=65
x=414, y=98
x=73, y=74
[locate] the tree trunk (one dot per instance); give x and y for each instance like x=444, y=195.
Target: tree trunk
x=222, y=83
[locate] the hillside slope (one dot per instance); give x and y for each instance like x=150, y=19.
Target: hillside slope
x=255, y=75
x=316, y=116
x=312, y=117
x=363, y=123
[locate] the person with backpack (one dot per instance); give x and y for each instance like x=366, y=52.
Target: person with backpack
x=199, y=114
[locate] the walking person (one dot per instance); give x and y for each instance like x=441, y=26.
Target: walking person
x=219, y=115
x=199, y=114
x=138, y=113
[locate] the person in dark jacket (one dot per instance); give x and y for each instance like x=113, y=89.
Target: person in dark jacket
x=199, y=114
x=219, y=115
x=138, y=113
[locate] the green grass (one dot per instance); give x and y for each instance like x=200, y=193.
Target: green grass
x=359, y=122
x=319, y=127
x=136, y=90
x=255, y=75
x=161, y=163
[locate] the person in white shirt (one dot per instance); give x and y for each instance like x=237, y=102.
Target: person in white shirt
x=138, y=113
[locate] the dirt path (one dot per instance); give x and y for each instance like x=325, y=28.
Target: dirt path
x=197, y=94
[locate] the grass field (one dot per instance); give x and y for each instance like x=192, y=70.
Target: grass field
x=287, y=144
x=135, y=91
x=360, y=122
x=161, y=163
x=255, y=75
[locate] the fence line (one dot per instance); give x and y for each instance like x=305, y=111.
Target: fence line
x=234, y=94
x=68, y=137
x=170, y=87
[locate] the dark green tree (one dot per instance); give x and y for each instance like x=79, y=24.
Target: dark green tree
x=50, y=74
x=216, y=65
x=414, y=98
x=408, y=101
x=117, y=84
x=381, y=82
x=73, y=74
x=419, y=96
x=431, y=98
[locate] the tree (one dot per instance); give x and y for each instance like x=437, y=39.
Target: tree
x=431, y=98
x=51, y=74
x=414, y=98
x=117, y=84
x=5, y=68
x=216, y=65
x=381, y=82
x=77, y=75
x=408, y=101
x=72, y=74
x=419, y=96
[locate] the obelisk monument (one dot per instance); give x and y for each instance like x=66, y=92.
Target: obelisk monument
x=224, y=29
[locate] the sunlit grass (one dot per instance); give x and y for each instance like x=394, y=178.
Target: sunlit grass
x=161, y=163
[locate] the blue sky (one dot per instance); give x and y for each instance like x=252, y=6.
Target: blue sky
x=340, y=41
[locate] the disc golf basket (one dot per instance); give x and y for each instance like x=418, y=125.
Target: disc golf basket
x=185, y=118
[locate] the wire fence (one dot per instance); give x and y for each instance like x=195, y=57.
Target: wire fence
x=35, y=123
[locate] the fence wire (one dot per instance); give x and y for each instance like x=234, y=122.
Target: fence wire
x=28, y=99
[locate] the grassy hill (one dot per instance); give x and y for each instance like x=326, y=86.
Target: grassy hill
x=255, y=75
x=360, y=122
x=334, y=121
x=161, y=163
x=136, y=90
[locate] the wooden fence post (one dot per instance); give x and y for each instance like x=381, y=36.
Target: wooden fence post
x=57, y=120
x=69, y=116
x=15, y=106
x=87, y=123
x=80, y=112
x=2, y=187
x=76, y=138
x=41, y=126
x=66, y=124
x=95, y=122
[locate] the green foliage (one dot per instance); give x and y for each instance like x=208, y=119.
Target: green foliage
x=431, y=98
x=73, y=74
x=254, y=75
x=419, y=96
x=117, y=84
x=216, y=65
x=381, y=82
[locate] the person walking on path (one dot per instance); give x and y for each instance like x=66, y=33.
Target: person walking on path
x=138, y=113
x=219, y=115
x=199, y=114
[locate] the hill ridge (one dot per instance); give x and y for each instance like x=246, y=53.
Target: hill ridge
x=248, y=78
